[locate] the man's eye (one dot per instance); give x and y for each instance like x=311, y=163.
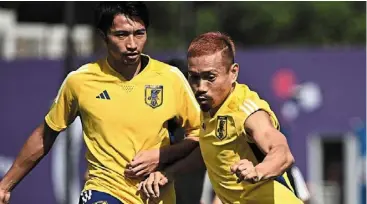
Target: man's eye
x=122, y=34
x=211, y=78
x=140, y=33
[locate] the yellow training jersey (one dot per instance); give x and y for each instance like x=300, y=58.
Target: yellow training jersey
x=121, y=118
x=223, y=142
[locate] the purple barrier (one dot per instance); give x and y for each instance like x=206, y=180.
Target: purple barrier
x=340, y=74
x=28, y=87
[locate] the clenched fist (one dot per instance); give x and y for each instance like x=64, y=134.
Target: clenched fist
x=4, y=197
x=245, y=170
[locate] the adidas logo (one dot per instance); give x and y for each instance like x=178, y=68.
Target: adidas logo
x=104, y=95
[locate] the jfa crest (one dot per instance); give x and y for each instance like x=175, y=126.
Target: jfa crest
x=154, y=95
x=221, y=130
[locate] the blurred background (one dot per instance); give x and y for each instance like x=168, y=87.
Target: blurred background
x=307, y=59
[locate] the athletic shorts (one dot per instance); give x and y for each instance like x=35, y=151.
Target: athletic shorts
x=96, y=197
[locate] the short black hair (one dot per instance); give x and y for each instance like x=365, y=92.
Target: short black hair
x=181, y=64
x=106, y=11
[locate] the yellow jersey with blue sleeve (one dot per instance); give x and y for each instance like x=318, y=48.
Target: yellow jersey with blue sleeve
x=223, y=142
x=121, y=118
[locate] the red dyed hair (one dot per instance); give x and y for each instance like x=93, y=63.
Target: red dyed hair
x=211, y=43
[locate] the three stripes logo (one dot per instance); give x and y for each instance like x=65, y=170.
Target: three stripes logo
x=249, y=107
x=104, y=95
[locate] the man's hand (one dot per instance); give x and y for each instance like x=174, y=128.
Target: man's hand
x=150, y=187
x=245, y=170
x=144, y=163
x=4, y=197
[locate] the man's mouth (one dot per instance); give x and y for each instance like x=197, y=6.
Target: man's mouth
x=132, y=55
x=201, y=98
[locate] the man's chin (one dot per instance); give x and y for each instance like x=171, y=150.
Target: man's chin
x=205, y=107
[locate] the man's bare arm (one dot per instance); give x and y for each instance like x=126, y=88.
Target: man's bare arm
x=36, y=147
x=192, y=162
x=145, y=162
x=272, y=143
x=172, y=153
x=151, y=185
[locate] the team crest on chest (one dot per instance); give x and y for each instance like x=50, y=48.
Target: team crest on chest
x=154, y=95
x=221, y=130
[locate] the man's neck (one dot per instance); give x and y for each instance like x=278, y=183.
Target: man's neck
x=126, y=71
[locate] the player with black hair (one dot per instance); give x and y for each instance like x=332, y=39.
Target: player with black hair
x=124, y=101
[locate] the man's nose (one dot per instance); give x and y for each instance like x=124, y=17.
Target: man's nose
x=131, y=44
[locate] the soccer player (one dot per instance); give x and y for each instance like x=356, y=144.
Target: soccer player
x=245, y=154
x=124, y=101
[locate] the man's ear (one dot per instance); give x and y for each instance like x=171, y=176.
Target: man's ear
x=102, y=35
x=234, y=71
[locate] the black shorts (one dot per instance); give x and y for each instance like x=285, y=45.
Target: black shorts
x=96, y=197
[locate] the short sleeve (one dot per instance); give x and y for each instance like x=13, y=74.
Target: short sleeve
x=64, y=108
x=188, y=110
x=252, y=103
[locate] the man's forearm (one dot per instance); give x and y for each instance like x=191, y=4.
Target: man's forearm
x=35, y=148
x=188, y=164
x=275, y=163
x=178, y=151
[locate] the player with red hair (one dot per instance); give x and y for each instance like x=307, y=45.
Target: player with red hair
x=245, y=153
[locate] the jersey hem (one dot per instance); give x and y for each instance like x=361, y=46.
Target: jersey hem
x=52, y=125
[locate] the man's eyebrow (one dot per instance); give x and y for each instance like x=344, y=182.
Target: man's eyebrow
x=141, y=30
x=128, y=32
x=212, y=71
x=120, y=32
x=204, y=72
